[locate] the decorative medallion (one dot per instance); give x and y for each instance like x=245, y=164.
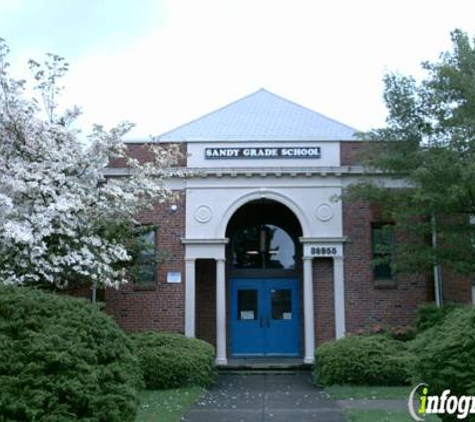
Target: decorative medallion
x=203, y=214
x=324, y=212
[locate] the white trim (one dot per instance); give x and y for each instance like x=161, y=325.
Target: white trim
x=190, y=297
x=243, y=140
x=323, y=239
x=309, y=323
x=339, y=296
x=220, y=312
x=223, y=241
x=260, y=194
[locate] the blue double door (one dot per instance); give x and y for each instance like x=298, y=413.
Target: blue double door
x=265, y=317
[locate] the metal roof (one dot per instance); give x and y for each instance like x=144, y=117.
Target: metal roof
x=261, y=116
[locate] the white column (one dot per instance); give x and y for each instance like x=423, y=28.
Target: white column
x=190, y=297
x=308, y=310
x=220, y=312
x=339, y=296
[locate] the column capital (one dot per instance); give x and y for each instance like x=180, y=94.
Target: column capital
x=220, y=259
x=189, y=260
x=307, y=258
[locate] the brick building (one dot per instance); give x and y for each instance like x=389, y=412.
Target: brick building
x=262, y=257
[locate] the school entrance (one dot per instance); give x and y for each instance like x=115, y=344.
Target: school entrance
x=264, y=281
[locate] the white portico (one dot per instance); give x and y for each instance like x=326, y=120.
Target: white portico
x=263, y=196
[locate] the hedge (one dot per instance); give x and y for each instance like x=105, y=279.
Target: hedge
x=173, y=360
x=363, y=360
x=446, y=354
x=430, y=315
x=62, y=359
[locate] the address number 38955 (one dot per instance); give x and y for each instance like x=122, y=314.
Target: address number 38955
x=323, y=250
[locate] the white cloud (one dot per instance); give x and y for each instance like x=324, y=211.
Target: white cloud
x=329, y=56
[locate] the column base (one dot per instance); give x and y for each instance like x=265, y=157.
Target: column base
x=309, y=360
x=221, y=361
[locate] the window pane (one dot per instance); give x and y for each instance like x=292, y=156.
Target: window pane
x=146, y=258
x=281, y=304
x=146, y=272
x=247, y=305
x=263, y=246
x=246, y=248
x=281, y=249
x=383, y=240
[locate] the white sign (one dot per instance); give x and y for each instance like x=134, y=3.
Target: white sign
x=323, y=250
x=174, y=277
x=247, y=314
x=266, y=152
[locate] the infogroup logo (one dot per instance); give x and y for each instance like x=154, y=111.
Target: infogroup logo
x=420, y=403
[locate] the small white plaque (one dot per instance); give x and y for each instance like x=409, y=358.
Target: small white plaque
x=174, y=277
x=247, y=314
x=287, y=315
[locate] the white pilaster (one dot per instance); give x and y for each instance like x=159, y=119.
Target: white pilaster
x=190, y=297
x=339, y=295
x=220, y=312
x=308, y=310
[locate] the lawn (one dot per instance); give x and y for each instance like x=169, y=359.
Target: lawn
x=348, y=392
x=166, y=405
x=354, y=415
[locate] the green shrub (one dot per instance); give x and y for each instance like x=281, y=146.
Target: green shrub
x=173, y=360
x=363, y=360
x=429, y=315
x=62, y=359
x=446, y=354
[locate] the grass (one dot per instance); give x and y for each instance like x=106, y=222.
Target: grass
x=347, y=392
x=354, y=415
x=166, y=405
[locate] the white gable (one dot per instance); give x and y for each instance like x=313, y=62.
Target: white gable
x=261, y=116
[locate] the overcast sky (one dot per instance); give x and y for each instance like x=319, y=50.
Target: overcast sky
x=163, y=63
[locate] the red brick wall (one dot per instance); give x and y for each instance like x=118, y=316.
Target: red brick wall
x=141, y=152
x=206, y=300
x=323, y=302
x=351, y=151
x=160, y=306
x=456, y=288
x=368, y=305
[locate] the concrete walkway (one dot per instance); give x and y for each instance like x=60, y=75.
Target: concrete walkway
x=279, y=397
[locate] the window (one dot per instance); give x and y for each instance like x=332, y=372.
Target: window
x=247, y=305
x=146, y=261
x=383, y=243
x=261, y=246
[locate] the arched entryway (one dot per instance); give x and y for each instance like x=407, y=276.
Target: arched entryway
x=264, y=281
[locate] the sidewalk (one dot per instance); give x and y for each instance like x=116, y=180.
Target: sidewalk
x=265, y=397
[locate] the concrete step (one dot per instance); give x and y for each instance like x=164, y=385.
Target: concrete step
x=265, y=365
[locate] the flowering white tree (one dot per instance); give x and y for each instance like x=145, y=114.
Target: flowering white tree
x=54, y=199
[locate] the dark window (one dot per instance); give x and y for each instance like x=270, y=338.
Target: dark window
x=263, y=246
x=383, y=243
x=146, y=270
x=247, y=305
x=281, y=301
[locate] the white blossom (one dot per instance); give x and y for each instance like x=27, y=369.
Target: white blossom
x=53, y=194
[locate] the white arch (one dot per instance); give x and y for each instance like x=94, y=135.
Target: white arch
x=259, y=194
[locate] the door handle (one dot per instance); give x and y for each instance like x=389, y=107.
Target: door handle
x=260, y=321
x=268, y=321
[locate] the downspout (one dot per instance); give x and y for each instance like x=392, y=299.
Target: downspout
x=94, y=292
x=436, y=267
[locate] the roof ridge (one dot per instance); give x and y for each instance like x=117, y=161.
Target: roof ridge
x=295, y=121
